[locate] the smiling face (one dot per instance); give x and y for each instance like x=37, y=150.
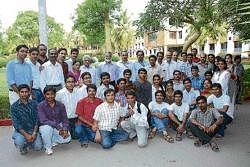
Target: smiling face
x=159, y=97
x=22, y=53
x=50, y=96
x=24, y=94
x=70, y=83
x=110, y=97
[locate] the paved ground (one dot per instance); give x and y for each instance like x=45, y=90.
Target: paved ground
x=235, y=151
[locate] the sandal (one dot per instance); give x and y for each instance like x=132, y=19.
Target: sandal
x=178, y=136
x=168, y=138
x=190, y=135
x=197, y=143
x=152, y=133
x=214, y=147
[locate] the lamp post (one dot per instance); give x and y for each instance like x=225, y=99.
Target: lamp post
x=43, y=33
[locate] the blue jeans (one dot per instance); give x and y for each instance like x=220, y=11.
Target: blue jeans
x=160, y=124
x=21, y=143
x=227, y=120
x=109, y=139
x=38, y=94
x=85, y=133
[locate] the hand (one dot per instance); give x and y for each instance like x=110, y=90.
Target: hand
x=29, y=138
x=180, y=128
x=33, y=136
x=94, y=128
x=130, y=111
x=98, y=137
x=212, y=128
x=161, y=116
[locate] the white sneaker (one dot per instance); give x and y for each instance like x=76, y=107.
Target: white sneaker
x=49, y=151
x=54, y=144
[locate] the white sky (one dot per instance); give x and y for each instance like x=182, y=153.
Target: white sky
x=61, y=10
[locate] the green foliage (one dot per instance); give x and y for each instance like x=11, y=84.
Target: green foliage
x=4, y=60
x=5, y=106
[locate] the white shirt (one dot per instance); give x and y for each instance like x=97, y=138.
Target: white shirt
x=189, y=97
x=178, y=86
x=52, y=74
x=151, y=71
x=101, y=89
x=70, y=64
x=69, y=100
x=123, y=66
x=92, y=71
x=222, y=78
x=36, y=74
x=82, y=91
x=219, y=102
x=168, y=69
x=153, y=92
x=107, y=116
x=139, y=119
x=162, y=107
x=179, y=111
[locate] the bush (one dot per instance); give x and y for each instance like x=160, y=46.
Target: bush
x=5, y=59
x=5, y=106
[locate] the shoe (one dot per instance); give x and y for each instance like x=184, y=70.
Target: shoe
x=218, y=136
x=54, y=144
x=49, y=151
x=24, y=151
x=132, y=135
x=84, y=145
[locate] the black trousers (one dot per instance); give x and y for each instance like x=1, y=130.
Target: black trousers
x=72, y=131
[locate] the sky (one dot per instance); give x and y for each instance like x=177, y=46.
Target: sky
x=61, y=10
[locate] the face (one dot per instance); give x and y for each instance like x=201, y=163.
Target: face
x=108, y=57
x=91, y=93
x=159, y=97
x=187, y=85
x=42, y=50
x=127, y=76
x=177, y=98
x=74, y=55
x=52, y=55
x=50, y=96
x=24, y=94
x=70, y=83
x=208, y=76
x=122, y=85
x=169, y=86
x=177, y=76
x=194, y=52
x=228, y=59
x=216, y=62
x=143, y=75
x=211, y=59
x=62, y=55
x=184, y=57
x=168, y=56
x=124, y=56
x=140, y=56
x=34, y=56
x=76, y=66
x=189, y=58
x=216, y=91
x=130, y=99
x=194, y=72
x=152, y=61
x=207, y=84
x=238, y=61
x=87, y=79
x=202, y=104
x=22, y=53
x=156, y=80
x=105, y=80
x=203, y=58
x=160, y=57
x=175, y=56
x=110, y=97
x=86, y=62
x=221, y=65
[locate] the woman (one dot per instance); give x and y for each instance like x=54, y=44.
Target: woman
x=222, y=76
x=62, y=53
x=75, y=71
x=169, y=90
x=156, y=85
x=207, y=85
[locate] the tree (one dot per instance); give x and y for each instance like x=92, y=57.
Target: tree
x=94, y=18
x=202, y=16
x=25, y=30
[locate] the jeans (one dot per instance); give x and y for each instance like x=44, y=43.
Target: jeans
x=109, y=139
x=160, y=124
x=72, y=122
x=203, y=136
x=85, y=133
x=21, y=143
x=38, y=94
x=51, y=135
x=227, y=120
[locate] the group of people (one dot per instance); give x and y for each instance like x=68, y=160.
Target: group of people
x=54, y=101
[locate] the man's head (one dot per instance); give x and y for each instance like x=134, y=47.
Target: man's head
x=175, y=56
x=62, y=53
x=86, y=78
x=190, y=57
x=168, y=56
x=42, y=50
x=121, y=84
x=217, y=90
x=142, y=73
x=178, y=95
x=208, y=75
x=237, y=59
x=33, y=54
x=23, y=91
x=105, y=78
x=91, y=90
x=140, y=55
x=177, y=75
x=127, y=74
x=160, y=56
x=124, y=56
x=201, y=101
x=49, y=93
x=211, y=58
x=86, y=60
x=108, y=57
x=194, y=51
x=156, y=79
x=52, y=53
x=203, y=57
x=159, y=96
x=187, y=84
x=229, y=58
x=131, y=98
x=195, y=71
x=152, y=60
x=70, y=82
x=74, y=52
x=109, y=95
x=184, y=56
x=22, y=51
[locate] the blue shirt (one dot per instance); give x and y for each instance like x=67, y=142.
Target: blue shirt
x=24, y=116
x=135, y=68
x=18, y=73
x=197, y=82
x=111, y=68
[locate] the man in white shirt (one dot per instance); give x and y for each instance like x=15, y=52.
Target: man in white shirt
x=153, y=69
x=177, y=81
x=106, y=119
x=124, y=64
x=135, y=122
x=86, y=67
x=169, y=67
x=52, y=74
x=222, y=103
x=74, y=52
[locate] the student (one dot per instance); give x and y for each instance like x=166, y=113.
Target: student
x=105, y=84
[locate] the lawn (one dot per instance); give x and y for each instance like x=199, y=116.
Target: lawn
x=3, y=83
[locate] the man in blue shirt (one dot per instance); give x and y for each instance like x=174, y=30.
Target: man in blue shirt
x=18, y=72
x=196, y=79
x=25, y=121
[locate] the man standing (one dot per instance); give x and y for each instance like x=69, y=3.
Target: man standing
x=196, y=79
x=52, y=74
x=177, y=81
x=240, y=76
x=135, y=122
x=153, y=69
x=203, y=65
x=140, y=63
x=120, y=97
x=194, y=51
x=86, y=67
x=106, y=119
x=25, y=121
x=203, y=125
x=74, y=52
x=42, y=58
x=18, y=72
x=124, y=63
x=169, y=67
x=160, y=58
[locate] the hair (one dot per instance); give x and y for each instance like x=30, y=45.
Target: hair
x=21, y=46
x=178, y=92
x=51, y=50
x=49, y=88
x=130, y=92
x=33, y=49
x=208, y=72
x=152, y=56
x=41, y=44
x=176, y=71
x=169, y=82
x=69, y=76
x=211, y=55
x=139, y=51
x=121, y=79
x=156, y=75
x=127, y=71
x=91, y=86
x=218, y=58
x=201, y=98
x=194, y=49
x=182, y=53
x=225, y=63
x=109, y=90
x=23, y=86
x=60, y=49
x=74, y=50
x=195, y=67
x=237, y=57
x=142, y=69
x=216, y=85
x=162, y=93
x=208, y=81
x=230, y=56
x=124, y=51
x=158, y=53
x=104, y=74
x=84, y=74
x=187, y=79
x=190, y=54
x=74, y=62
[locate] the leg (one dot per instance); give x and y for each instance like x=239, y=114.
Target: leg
x=227, y=120
x=56, y=138
x=20, y=142
x=72, y=122
x=127, y=126
x=79, y=129
x=37, y=144
x=203, y=136
x=46, y=132
x=142, y=135
x=119, y=135
x=160, y=124
x=106, y=139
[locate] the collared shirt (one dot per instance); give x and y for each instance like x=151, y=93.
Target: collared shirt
x=239, y=70
x=223, y=79
x=179, y=111
x=101, y=89
x=24, y=116
x=36, y=73
x=189, y=97
x=135, y=68
x=168, y=69
x=91, y=70
x=143, y=92
x=82, y=91
x=197, y=82
x=121, y=98
x=205, y=118
x=110, y=68
x=86, y=109
x=153, y=92
x=151, y=71
x=123, y=66
x=52, y=74
x=178, y=85
x=70, y=64
x=204, y=67
x=41, y=61
x=69, y=99
x=107, y=116
x=18, y=73
x=55, y=116
x=184, y=68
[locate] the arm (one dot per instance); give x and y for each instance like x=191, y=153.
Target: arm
x=173, y=118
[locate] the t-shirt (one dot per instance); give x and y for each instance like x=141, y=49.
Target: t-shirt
x=179, y=111
x=159, y=107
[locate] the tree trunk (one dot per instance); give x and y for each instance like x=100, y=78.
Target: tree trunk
x=191, y=40
x=107, y=33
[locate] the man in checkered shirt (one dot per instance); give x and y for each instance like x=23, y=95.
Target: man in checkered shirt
x=106, y=119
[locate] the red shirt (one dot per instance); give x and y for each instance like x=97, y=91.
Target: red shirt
x=196, y=59
x=86, y=108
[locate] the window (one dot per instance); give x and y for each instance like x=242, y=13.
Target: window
x=224, y=47
x=211, y=46
x=172, y=34
x=237, y=46
x=180, y=34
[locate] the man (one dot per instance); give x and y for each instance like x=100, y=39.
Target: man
x=194, y=52
x=135, y=122
x=222, y=103
x=179, y=115
x=143, y=88
x=120, y=97
x=86, y=67
x=36, y=68
x=85, y=123
x=18, y=72
x=208, y=75
x=106, y=120
x=86, y=80
x=211, y=61
x=52, y=74
x=203, y=64
x=240, y=76
x=189, y=64
x=203, y=125
x=153, y=69
x=25, y=121
x=196, y=79
x=160, y=57
x=177, y=82
x=169, y=67
x=42, y=58
x=124, y=64
x=127, y=74
x=109, y=67
x=105, y=84
x=62, y=53
x=74, y=52
x=183, y=65
x=69, y=96
x=140, y=63
x=54, y=124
